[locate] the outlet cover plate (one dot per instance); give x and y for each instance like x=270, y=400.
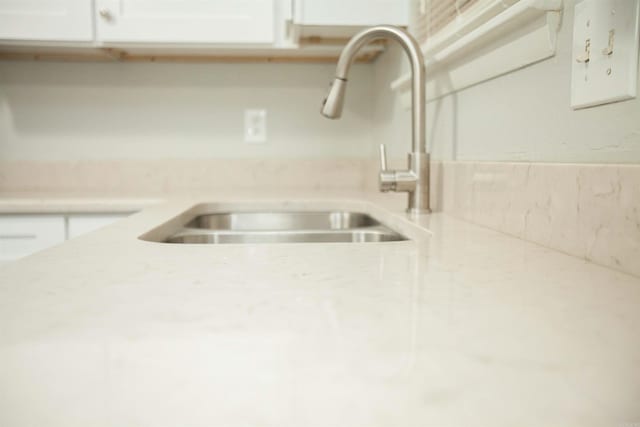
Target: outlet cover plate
x=255, y=126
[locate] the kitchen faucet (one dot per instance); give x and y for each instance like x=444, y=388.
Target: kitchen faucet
x=415, y=180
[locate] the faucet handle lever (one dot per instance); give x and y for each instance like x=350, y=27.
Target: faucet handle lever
x=383, y=158
x=387, y=178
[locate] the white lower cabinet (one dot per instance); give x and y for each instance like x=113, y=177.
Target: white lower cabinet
x=24, y=234
x=21, y=235
x=79, y=224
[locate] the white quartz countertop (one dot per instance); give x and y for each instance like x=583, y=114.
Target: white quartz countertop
x=459, y=326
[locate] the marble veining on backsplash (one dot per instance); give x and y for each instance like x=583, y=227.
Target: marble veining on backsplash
x=589, y=211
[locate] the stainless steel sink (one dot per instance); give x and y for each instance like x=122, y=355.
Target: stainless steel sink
x=283, y=227
x=275, y=221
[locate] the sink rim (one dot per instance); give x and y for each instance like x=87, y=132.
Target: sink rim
x=378, y=234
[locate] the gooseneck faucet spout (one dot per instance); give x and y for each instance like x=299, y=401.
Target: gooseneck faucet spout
x=415, y=180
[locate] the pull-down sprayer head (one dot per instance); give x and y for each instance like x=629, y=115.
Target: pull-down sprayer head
x=333, y=103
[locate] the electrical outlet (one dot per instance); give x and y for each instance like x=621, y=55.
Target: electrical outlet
x=605, y=52
x=255, y=126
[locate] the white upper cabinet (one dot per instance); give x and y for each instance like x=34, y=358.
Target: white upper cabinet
x=46, y=20
x=185, y=21
x=142, y=29
x=351, y=12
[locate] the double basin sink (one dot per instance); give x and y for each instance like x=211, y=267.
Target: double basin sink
x=283, y=227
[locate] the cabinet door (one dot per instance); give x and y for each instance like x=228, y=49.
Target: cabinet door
x=22, y=235
x=84, y=223
x=47, y=20
x=351, y=12
x=185, y=21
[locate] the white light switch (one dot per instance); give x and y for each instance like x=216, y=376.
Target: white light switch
x=255, y=126
x=605, y=52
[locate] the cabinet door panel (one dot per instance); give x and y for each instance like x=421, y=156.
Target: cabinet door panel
x=185, y=21
x=22, y=235
x=351, y=12
x=85, y=223
x=47, y=20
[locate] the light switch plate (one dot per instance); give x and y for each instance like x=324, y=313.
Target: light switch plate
x=605, y=52
x=255, y=126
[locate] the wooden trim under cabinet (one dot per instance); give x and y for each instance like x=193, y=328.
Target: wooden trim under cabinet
x=119, y=55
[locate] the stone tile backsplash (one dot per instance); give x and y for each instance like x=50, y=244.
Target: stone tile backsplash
x=589, y=211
